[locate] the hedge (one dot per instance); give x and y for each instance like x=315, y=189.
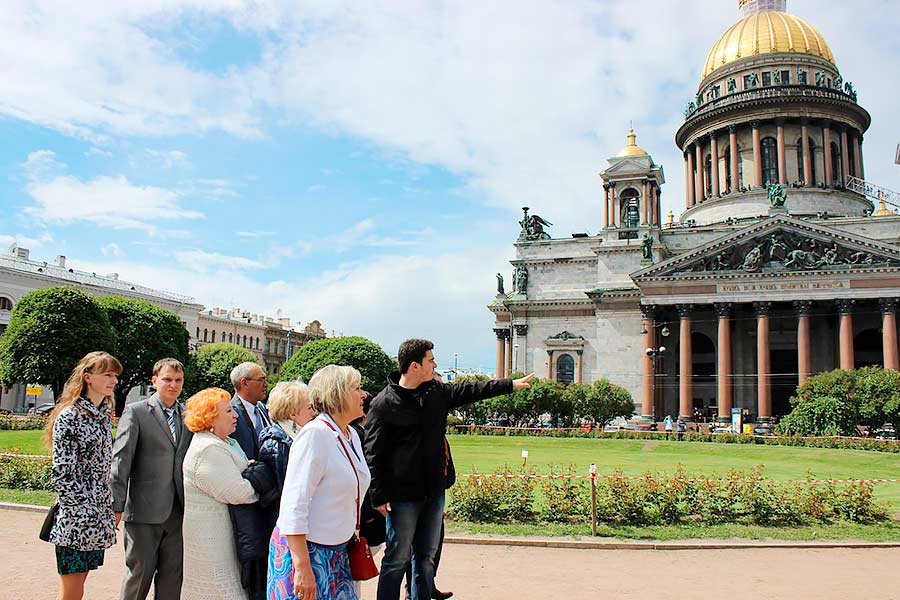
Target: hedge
x=18, y=422
x=839, y=443
x=25, y=472
x=743, y=498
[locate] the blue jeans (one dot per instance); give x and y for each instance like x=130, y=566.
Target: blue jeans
x=411, y=527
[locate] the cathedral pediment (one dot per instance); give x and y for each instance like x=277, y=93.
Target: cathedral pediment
x=780, y=244
x=638, y=165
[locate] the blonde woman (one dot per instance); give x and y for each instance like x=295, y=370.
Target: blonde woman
x=80, y=431
x=212, y=480
x=327, y=478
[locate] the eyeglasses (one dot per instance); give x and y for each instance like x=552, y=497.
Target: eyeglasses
x=255, y=379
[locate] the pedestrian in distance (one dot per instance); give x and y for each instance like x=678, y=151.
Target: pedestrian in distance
x=212, y=481
x=250, y=385
x=405, y=430
x=680, y=428
x=327, y=478
x=148, y=486
x=668, y=425
x=80, y=432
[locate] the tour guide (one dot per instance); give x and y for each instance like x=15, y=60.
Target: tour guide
x=404, y=447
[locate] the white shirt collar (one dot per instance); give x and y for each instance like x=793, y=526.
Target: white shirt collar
x=251, y=408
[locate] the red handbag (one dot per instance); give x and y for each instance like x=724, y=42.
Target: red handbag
x=362, y=563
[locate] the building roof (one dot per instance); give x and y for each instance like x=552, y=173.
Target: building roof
x=766, y=32
x=631, y=149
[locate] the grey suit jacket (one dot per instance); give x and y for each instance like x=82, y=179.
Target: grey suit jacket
x=146, y=467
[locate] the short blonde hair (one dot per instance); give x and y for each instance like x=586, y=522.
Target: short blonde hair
x=328, y=388
x=203, y=407
x=286, y=399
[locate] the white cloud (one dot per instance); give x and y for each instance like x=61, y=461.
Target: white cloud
x=24, y=241
x=202, y=261
x=168, y=159
x=112, y=249
x=41, y=165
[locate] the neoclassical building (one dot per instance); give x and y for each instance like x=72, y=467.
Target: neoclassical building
x=780, y=266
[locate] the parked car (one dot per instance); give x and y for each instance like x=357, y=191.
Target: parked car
x=886, y=432
x=41, y=409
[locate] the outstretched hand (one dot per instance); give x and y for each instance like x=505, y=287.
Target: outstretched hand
x=521, y=384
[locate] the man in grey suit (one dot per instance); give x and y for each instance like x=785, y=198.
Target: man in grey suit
x=147, y=485
x=250, y=385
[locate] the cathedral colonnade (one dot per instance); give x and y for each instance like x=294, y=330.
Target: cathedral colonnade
x=810, y=319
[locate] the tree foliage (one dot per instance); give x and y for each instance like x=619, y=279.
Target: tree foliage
x=212, y=364
x=602, y=402
x=145, y=333
x=364, y=355
x=49, y=332
x=834, y=403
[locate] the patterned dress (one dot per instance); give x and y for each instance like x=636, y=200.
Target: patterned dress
x=82, y=455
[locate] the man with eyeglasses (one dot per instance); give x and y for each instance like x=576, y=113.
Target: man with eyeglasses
x=250, y=385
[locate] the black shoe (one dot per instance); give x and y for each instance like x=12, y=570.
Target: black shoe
x=436, y=594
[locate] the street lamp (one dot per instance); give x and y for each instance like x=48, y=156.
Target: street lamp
x=516, y=356
x=455, y=362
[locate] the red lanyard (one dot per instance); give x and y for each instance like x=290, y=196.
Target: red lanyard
x=352, y=466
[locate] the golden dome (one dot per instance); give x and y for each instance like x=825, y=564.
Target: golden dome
x=632, y=149
x=763, y=33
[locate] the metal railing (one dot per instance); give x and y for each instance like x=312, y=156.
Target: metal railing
x=875, y=192
x=783, y=91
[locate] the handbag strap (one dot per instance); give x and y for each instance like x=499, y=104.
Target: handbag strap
x=352, y=466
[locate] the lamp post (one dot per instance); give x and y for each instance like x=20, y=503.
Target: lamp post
x=455, y=362
x=655, y=352
x=516, y=356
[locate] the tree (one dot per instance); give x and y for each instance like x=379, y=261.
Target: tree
x=602, y=402
x=365, y=356
x=835, y=402
x=49, y=332
x=212, y=364
x=476, y=413
x=145, y=333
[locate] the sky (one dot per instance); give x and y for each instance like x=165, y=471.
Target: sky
x=359, y=163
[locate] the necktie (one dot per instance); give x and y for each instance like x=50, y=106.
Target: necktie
x=260, y=420
x=170, y=417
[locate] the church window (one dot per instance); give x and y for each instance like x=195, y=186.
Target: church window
x=212, y=336
x=769, y=160
x=812, y=162
x=851, y=160
x=205, y=335
x=709, y=174
x=836, y=163
x=5, y=303
x=223, y=336
x=230, y=338
x=740, y=167
x=766, y=78
x=565, y=369
x=785, y=78
x=630, y=208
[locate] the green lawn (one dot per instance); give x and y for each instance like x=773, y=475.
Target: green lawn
x=23, y=442
x=635, y=457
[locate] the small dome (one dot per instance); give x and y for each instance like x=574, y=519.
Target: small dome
x=632, y=149
x=765, y=33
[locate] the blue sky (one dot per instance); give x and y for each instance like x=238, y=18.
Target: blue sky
x=358, y=163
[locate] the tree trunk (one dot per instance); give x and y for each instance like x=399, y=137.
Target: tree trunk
x=121, y=394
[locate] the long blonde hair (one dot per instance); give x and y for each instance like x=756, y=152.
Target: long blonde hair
x=76, y=386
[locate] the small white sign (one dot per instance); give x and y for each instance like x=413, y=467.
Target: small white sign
x=524, y=453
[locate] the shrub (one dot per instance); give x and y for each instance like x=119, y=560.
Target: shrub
x=566, y=500
x=494, y=498
x=364, y=355
x=22, y=472
x=19, y=423
x=211, y=367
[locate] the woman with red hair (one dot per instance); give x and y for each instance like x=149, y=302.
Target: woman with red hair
x=212, y=480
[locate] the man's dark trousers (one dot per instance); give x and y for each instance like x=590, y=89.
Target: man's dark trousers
x=412, y=526
x=154, y=550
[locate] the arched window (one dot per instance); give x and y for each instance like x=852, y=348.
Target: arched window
x=268, y=345
x=198, y=333
x=205, y=335
x=769, y=160
x=245, y=341
x=213, y=336
x=740, y=167
x=851, y=160
x=630, y=213
x=230, y=338
x=709, y=174
x=812, y=162
x=223, y=336
x=5, y=303
x=257, y=343
x=565, y=369
x=836, y=170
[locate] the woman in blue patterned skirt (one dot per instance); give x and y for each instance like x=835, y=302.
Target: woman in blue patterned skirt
x=327, y=477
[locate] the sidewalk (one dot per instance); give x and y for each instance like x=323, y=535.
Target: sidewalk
x=28, y=572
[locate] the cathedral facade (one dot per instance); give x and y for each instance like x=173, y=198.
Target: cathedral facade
x=784, y=263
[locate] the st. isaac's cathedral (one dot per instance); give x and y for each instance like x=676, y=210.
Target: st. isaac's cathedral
x=784, y=263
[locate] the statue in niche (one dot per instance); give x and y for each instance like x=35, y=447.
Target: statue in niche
x=732, y=85
x=710, y=94
x=801, y=77
x=647, y=247
x=850, y=90
x=533, y=227
x=689, y=109
x=838, y=82
x=500, y=284
x=699, y=99
x=753, y=260
x=776, y=77
x=721, y=262
x=777, y=195
x=753, y=80
x=820, y=79
x=520, y=280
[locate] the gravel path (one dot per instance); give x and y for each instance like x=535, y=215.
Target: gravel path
x=28, y=571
